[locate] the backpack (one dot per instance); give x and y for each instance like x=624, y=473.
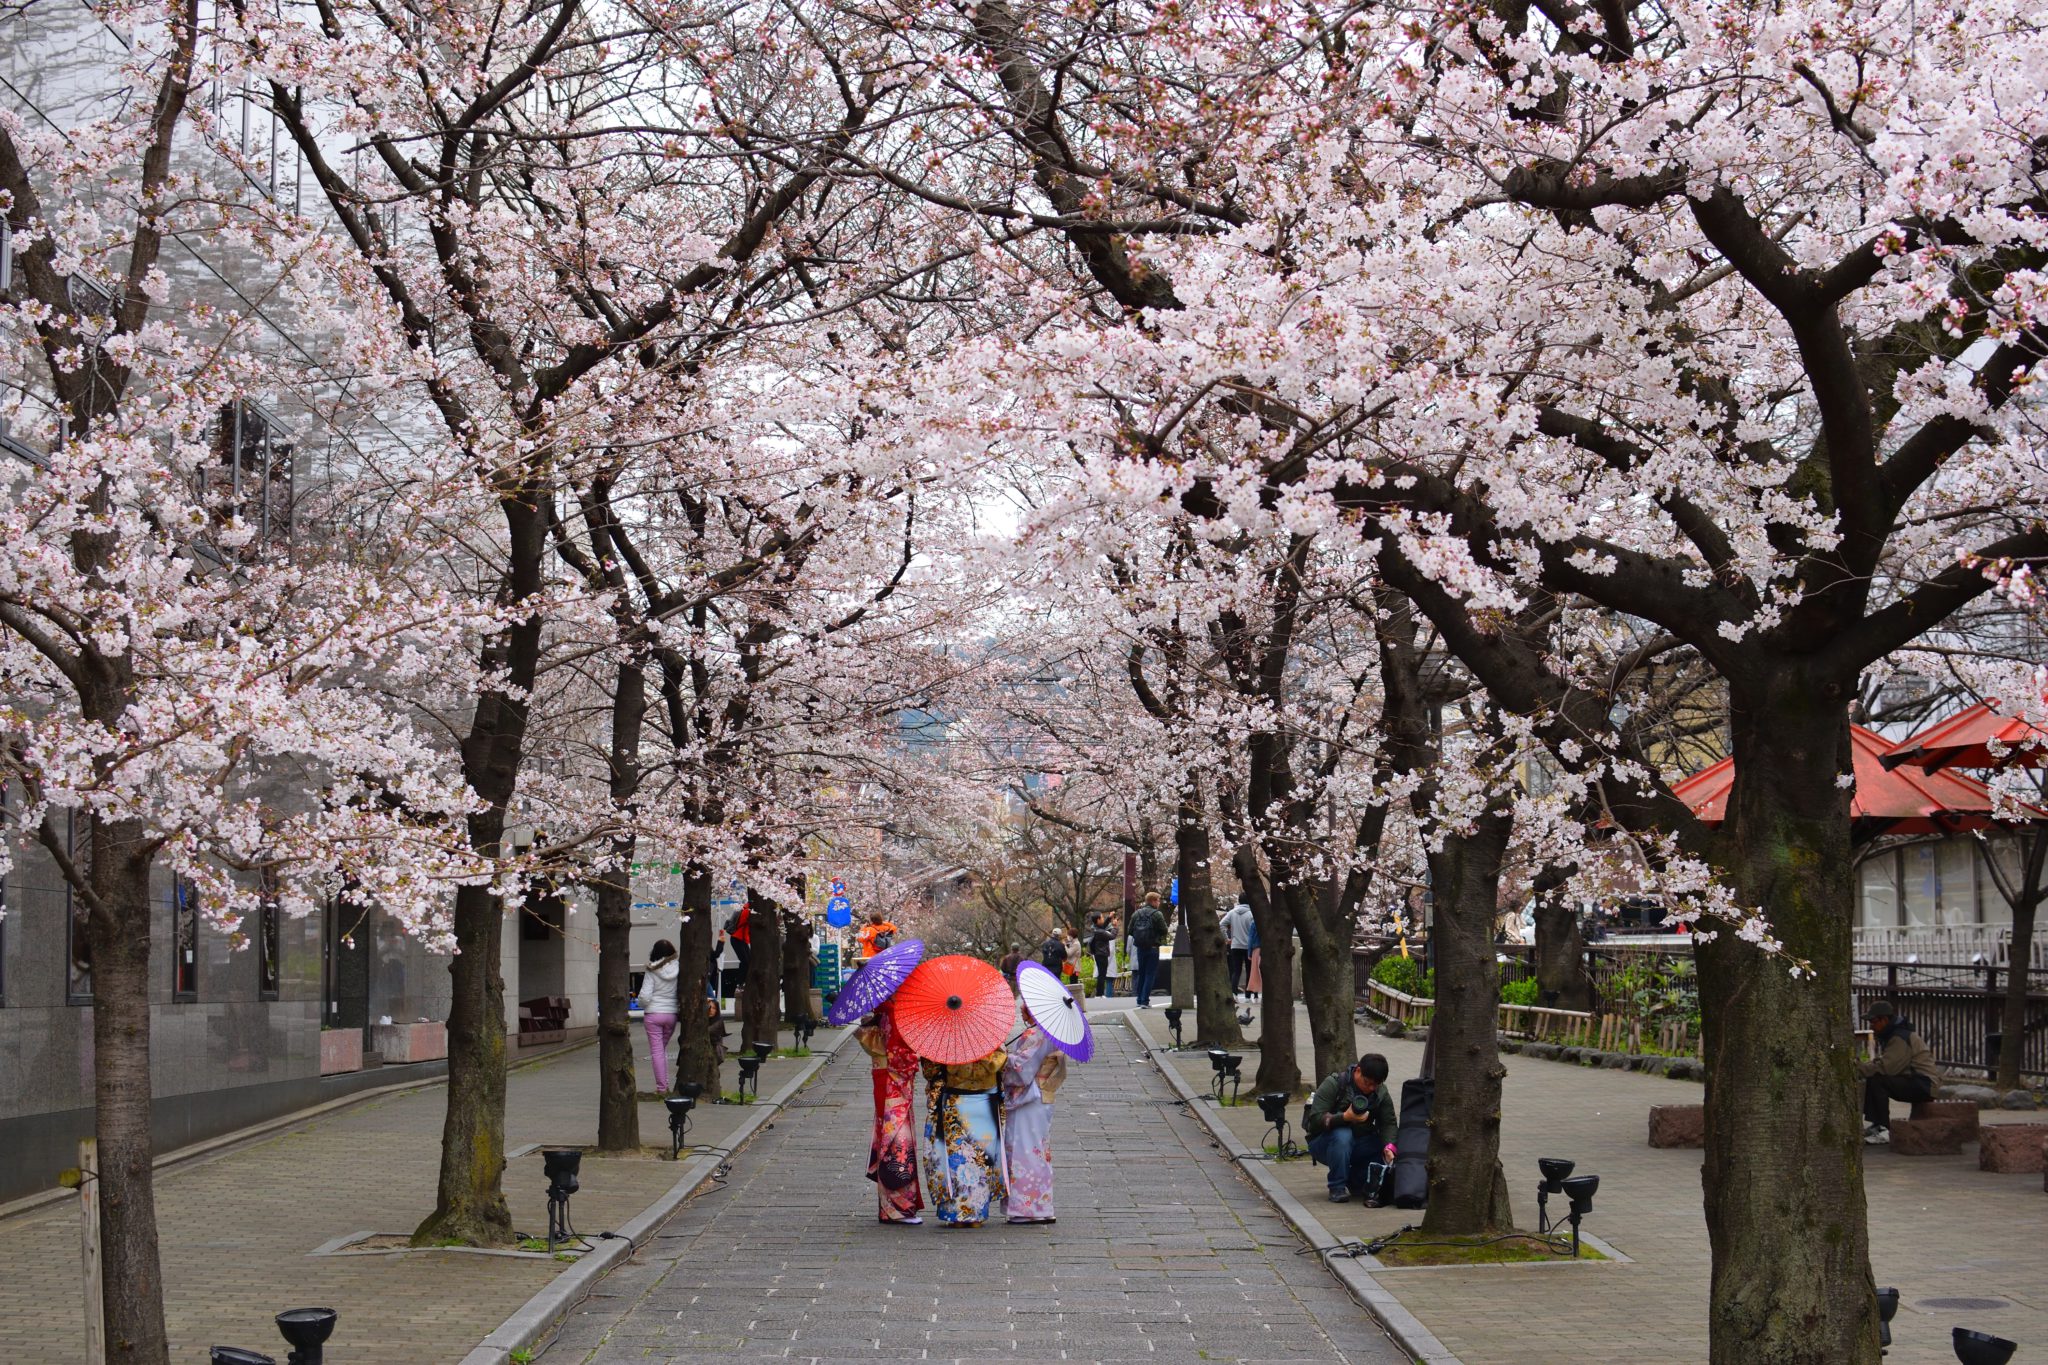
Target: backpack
x=883, y=940
x=1148, y=927
x=1053, y=954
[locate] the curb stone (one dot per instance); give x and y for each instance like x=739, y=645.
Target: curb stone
x=1403, y=1326
x=537, y=1316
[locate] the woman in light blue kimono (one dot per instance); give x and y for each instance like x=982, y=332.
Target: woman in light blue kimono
x=963, y=1139
x=1031, y=1074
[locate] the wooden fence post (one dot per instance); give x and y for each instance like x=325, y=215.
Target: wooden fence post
x=89, y=1234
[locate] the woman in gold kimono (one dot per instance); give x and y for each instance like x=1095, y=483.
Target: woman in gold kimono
x=963, y=1139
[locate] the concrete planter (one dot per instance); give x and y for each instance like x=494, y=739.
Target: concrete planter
x=341, y=1050
x=401, y=1043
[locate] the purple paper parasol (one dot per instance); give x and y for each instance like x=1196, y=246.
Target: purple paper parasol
x=1053, y=1008
x=877, y=980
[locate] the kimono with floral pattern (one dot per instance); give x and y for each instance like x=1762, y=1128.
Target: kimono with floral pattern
x=892, y=1154
x=963, y=1142
x=1030, y=1075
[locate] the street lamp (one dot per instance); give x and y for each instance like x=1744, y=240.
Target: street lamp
x=560, y=1164
x=1554, y=1170
x=306, y=1330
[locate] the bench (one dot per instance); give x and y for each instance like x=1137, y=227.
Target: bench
x=2013, y=1148
x=1678, y=1125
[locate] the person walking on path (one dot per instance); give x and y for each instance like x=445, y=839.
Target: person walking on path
x=1237, y=936
x=658, y=1005
x=892, y=1154
x=1148, y=931
x=878, y=933
x=1032, y=1072
x=1350, y=1127
x=1053, y=952
x=1904, y=1069
x=963, y=1138
x=1101, y=939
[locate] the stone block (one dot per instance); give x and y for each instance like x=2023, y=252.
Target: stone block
x=1678, y=1125
x=2013, y=1148
x=399, y=1043
x=1928, y=1137
x=1957, y=1120
x=341, y=1050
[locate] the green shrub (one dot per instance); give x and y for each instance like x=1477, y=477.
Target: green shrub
x=1405, y=974
x=1521, y=992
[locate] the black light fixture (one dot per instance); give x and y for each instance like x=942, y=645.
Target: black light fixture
x=1554, y=1169
x=763, y=1051
x=1226, y=1065
x=1887, y=1309
x=1981, y=1348
x=689, y=1090
x=679, y=1107
x=805, y=1027
x=561, y=1165
x=1173, y=1017
x=235, y=1355
x=1580, y=1190
x=306, y=1330
x=1273, y=1104
x=750, y=1077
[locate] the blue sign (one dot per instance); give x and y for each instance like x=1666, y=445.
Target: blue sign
x=839, y=912
x=1173, y=892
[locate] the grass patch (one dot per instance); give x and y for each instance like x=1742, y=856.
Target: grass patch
x=1420, y=1251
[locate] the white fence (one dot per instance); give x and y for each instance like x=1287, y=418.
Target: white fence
x=1952, y=945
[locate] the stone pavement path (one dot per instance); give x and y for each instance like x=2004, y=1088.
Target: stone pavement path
x=237, y=1227
x=1963, y=1246
x=1163, y=1252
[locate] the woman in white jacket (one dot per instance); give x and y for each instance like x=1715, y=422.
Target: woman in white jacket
x=658, y=1005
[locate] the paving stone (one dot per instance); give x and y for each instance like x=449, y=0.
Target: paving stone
x=1152, y=1258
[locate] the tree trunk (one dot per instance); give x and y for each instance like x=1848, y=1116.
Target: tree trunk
x=1562, y=981
x=1468, y=1192
x=471, y=1209
x=618, y=1102
x=131, y=1267
x=1207, y=965
x=695, y=1059
x=796, y=967
x=1784, y=1154
x=2012, y=1025
x=1327, y=988
x=759, y=1009
x=1278, y=1069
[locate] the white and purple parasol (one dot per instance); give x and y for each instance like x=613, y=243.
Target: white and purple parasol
x=876, y=980
x=1053, y=1008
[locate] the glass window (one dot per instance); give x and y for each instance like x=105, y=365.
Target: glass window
x=1877, y=879
x=268, y=913
x=184, y=940
x=1958, y=860
x=77, y=943
x=1920, y=883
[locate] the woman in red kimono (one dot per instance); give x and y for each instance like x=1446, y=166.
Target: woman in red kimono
x=892, y=1155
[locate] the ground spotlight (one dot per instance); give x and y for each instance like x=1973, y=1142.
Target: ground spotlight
x=1580, y=1190
x=560, y=1165
x=306, y=1330
x=1226, y=1065
x=1554, y=1169
x=235, y=1355
x=1273, y=1104
x=1887, y=1309
x=1173, y=1017
x=763, y=1051
x=679, y=1107
x=804, y=1029
x=1981, y=1348
x=750, y=1077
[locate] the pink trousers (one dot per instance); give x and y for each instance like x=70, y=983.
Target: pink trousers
x=660, y=1028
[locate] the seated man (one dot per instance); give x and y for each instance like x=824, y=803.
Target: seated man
x=1904, y=1070
x=1350, y=1127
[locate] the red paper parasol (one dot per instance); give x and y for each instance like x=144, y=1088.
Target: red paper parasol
x=955, y=1009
